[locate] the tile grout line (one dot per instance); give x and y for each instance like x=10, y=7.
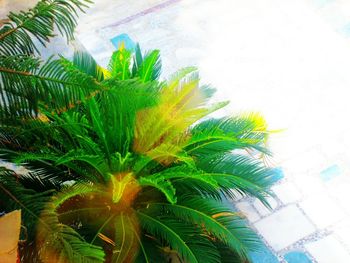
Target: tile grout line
x=143, y=13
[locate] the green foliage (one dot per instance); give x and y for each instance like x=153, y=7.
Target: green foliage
x=40, y=22
x=26, y=82
x=147, y=67
x=121, y=166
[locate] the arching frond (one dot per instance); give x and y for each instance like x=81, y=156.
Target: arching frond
x=61, y=243
x=147, y=67
x=181, y=104
x=56, y=241
x=150, y=67
x=158, y=228
x=216, y=219
x=57, y=85
x=151, y=250
x=39, y=22
x=127, y=245
x=227, y=255
x=227, y=134
x=161, y=184
x=199, y=243
x=242, y=173
x=226, y=225
x=120, y=63
x=13, y=195
x=112, y=115
x=86, y=63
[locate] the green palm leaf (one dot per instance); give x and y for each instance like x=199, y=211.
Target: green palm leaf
x=86, y=63
x=119, y=65
x=162, y=185
x=40, y=21
x=158, y=228
x=227, y=134
x=227, y=228
x=241, y=173
x=126, y=240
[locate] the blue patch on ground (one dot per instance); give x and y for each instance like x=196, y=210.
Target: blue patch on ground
x=297, y=257
x=330, y=172
x=263, y=256
x=322, y=3
x=123, y=38
x=346, y=30
x=278, y=174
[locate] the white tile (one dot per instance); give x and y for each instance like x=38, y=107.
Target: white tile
x=328, y=250
x=305, y=161
x=340, y=192
x=287, y=192
x=247, y=209
x=284, y=227
x=262, y=209
x=342, y=231
x=322, y=210
x=309, y=185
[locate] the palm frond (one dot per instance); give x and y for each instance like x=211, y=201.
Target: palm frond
x=95, y=161
x=126, y=247
x=150, y=67
x=39, y=22
x=242, y=173
x=156, y=227
x=120, y=63
x=181, y=104
x=151, y=251
x=15, y=195
x=16, y=86
x=227, y=255
x=86, y=63
x=199, y=243
x=147, y=67
x=112, y=115
x=57, y=85
x=183, y=173
x=19, y=197
x=161, y=184
x=62, y=243
x=216, y=219
x=247, y=132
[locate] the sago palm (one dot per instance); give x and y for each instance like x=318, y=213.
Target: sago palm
x=121, y=167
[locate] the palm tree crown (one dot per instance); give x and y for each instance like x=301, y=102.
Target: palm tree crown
x=122, y=167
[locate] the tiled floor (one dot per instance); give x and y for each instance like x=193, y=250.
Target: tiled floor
x=288, y=59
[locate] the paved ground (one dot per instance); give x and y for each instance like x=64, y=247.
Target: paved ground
x=288, y=59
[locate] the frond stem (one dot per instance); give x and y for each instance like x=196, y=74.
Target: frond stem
x=101, y=228
x=2, y=36
x=29, y=74
x=23, y=206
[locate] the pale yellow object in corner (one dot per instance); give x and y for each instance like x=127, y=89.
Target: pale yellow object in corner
x=10, y=227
